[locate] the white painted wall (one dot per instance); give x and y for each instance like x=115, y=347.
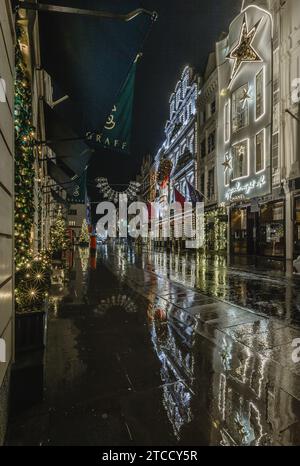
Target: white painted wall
x=6, y=203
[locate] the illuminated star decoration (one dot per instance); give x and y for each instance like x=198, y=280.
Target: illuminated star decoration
x=245, y=97
x=244, y=52
x=227, y=164
x=241, y=151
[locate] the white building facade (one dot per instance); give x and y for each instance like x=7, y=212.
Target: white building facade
x=245, y=136
x=180, y=145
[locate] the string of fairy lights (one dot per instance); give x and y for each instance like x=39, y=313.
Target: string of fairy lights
x=32, y=279
x=112, y=195
x=24, y=162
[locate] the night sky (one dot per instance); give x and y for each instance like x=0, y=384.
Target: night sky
x=185, y=33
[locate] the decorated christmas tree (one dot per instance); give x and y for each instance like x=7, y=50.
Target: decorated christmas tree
x=58, y=234
x=84, y=235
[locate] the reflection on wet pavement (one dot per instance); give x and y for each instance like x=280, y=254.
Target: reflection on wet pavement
x=273, y=295
x=136, y=357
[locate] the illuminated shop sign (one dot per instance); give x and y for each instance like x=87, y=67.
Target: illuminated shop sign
x=245, y=188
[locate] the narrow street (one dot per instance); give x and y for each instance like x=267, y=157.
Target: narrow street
x=149, y=226
x=137, y=354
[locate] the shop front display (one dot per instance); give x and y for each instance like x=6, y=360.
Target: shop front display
x=272, y=230
x=238, y=231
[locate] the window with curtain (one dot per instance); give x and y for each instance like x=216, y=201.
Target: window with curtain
x=240, y=160
x=240, y=108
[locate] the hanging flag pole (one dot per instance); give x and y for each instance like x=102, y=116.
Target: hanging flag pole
x=82, y=12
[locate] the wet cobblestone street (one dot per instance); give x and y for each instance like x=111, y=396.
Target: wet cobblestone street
x=138, y=355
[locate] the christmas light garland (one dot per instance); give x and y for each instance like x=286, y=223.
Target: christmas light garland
x=24, y=162
x=219, y=230
x=32, y=283
x=84, y=238
x=113, y=196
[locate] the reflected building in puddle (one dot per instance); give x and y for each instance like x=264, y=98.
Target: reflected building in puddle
x=250, y=407
x=172, y=341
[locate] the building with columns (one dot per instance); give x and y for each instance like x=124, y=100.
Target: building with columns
x=179, y=149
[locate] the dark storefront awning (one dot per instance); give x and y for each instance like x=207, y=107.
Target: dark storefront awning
x=65, y=142
x=88, y=59
x=62, y=178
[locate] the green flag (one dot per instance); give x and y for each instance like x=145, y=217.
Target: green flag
x=78, y=195
x=117, y=129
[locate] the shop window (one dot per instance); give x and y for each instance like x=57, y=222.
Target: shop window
x=211, y=141
x=227, y=121
x=260, y=96
x=272, y=229
x=260, y=152
x=238, y=231
x=72, y=212
x=240, y=159
x=240, y=108
x=278, y=213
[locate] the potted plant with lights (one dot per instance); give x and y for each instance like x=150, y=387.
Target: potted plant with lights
x=31, y=297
